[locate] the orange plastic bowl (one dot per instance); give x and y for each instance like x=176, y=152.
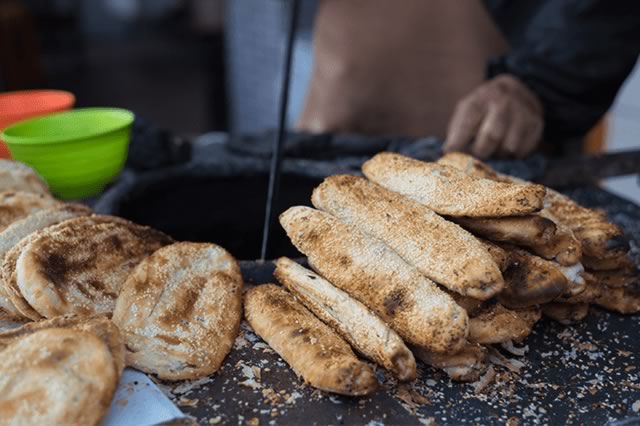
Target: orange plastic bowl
x=20, y=105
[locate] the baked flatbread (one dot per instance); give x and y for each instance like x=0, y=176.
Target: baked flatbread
x=16, y=205
x=439, y=249
x=312, y=349
x=15, y=232
x=56, y=277
x=366, y=333
x=56, y=377
x=16, y=176
x=180, y=311
x=368, y=270
x=449, y=191
x=99, y=325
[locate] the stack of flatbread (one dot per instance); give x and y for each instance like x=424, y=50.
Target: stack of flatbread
x=86, y=295
x=435, y=261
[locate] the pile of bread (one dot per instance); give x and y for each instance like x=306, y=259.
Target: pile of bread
x=435, y=261
x=92, y=294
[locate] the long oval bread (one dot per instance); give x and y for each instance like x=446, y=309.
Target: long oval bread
x=497, y=324
x=371, y=272
x=312, y=349
x=598, y=237
x=366, y=333
x=439, y=249
x=449, y=191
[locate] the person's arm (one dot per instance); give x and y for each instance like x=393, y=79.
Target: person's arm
x=574, y=56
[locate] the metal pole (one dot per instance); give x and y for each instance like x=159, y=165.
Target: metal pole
x=276, y=155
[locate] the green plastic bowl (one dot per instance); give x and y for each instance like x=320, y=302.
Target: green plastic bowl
x=77, y=152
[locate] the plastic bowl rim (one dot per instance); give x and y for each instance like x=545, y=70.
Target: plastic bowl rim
x=18, y=140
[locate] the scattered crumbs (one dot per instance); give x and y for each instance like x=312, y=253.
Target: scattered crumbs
x=635, y=407
x=513, y=421
x=188, y=402
x=215, y=420
x=254, y=421
x=293, y=397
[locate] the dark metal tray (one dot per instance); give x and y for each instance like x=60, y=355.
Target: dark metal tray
x=584, y=374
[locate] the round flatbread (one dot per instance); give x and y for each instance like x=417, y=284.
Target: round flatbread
x=80, y=265
x=56, y=377
x=101, y=326
x=16, y=205
x=180, y=311
x=21, y=229
x=16, y=176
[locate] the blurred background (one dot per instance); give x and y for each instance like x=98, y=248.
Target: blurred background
x=194, y=66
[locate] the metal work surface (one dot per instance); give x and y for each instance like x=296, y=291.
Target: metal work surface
x=583, y=374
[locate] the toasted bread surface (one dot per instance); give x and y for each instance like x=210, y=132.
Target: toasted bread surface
x=16, y=176
x=21, y=229
x=497, y=324
x=313, y=350
x=180, y=310
x=466, y=365
x=449, y=191
x=56, y=377
x=439, y=249
x=101, y=326
x=56, y=277
x=364, y=330
x=16, y=205
x=370, y=271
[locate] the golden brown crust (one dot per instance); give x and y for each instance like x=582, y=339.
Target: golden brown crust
x=180, y=310
x=377, y=276
x=16, y=205
x=467, y=365
x=623, y=261
x=566, y=313
x=101, y=326
x=314, y=351
x=21, y=229
x=16, y=176
x=56, y=278
x=439, y=249
x=531, y=280
x=366, y=333
x=625, y=300
x=519, y=230
x=617, y=279
x=469, y=304
x=9, y=282
x=598, y=237
x=497, y=324
x=451, y=192
x=592, y=290
x=56, y=377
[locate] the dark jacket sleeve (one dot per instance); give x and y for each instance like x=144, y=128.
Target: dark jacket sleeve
x=574, y=54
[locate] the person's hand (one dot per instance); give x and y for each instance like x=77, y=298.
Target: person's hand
x=500, y=117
